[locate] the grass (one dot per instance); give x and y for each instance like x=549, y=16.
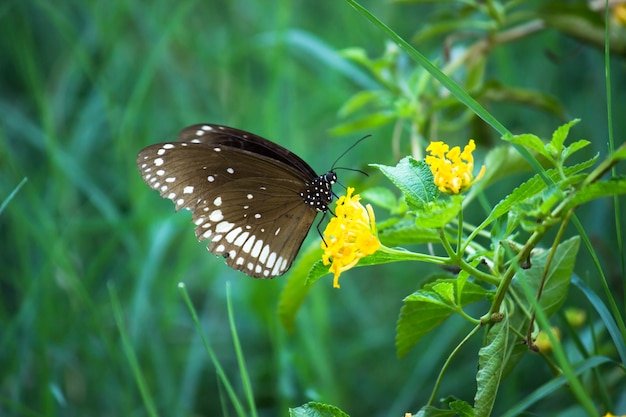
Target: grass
x=85, y=85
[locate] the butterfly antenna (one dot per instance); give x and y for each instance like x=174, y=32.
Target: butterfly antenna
x=348, y=150
x=354, y=170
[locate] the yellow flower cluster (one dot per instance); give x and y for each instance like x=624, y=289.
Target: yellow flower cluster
x=349, y=236
x=452, y=168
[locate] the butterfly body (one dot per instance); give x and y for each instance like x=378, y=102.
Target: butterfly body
x=253, y=199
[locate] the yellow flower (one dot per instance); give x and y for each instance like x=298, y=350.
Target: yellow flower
x=349, y=236
x=543, y=341
x=452, y=168
x=619, y=13
x=611, y=415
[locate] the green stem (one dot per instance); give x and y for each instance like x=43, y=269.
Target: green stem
x=544, y=275
x=459, y=237
x=445, y=366
x=412, y=256
x=457, y=259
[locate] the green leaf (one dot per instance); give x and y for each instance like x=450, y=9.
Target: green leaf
x=530, y=141
x=620, y=153
x=490, y=360
x=381, y=197
x=495, y=92
x=370, y=121
x=430, y=411
x=427, y=308
x=559, y=136
x=406, y=232
x=574, y=147
x=318, y=270
x=599, y=189
x=439, y=214
x=500, y=162
x=414, y=179
x=360, y=100
x=529, y=189
x=554, y=290
x=462, y=409
x=315, y=409
x=297, y=287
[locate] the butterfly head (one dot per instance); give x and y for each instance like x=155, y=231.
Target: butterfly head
x=319, y=193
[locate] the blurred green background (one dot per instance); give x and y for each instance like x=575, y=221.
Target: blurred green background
x=86, y=84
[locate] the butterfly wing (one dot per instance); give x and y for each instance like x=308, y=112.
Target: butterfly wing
x=247, y=203
x=211, y=134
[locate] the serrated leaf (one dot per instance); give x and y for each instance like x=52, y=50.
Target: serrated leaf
x=559, y=136
x=381, y=197
x=462, y=409
x=427, y=308
x=490, y=361
x=438, y=215
x=574, y=147
x=315, y=409
x=415, y=180
x=529, y=189
x=530, y=141
x=599, y=189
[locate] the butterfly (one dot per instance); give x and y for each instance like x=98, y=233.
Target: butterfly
x=253, y=199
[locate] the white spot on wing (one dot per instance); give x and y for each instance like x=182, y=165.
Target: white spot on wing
x=218, y=201
x=264, y=253
x=241, y=239
x=248, y=245
x=276, y=269
x=188, y=189
x=216, y=216
x=232, y=235
x=270, y=260
x=158, y=162
x=256, y=251
x=230, y=170
x=223, y=227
